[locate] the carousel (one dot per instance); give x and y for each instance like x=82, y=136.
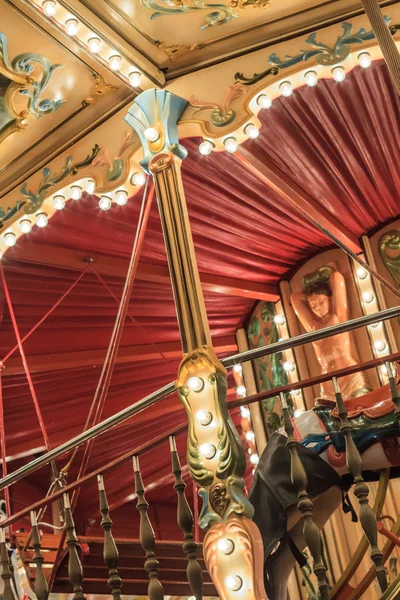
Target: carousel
x=200, y=299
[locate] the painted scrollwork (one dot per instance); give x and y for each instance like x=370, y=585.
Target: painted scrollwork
x=219, y=15
x=177, y=51
x=221, y=115
x=389, y=250
x=120, y=161
x=100, y=88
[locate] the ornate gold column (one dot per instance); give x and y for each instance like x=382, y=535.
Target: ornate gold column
x=233, y=548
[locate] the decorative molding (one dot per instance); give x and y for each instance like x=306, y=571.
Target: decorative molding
x=221, y=115
x=254, y=3
x=176, y=51
x=219, y=15
x=100, y=88
x=240, y=78
x=116, y=165
x=389, y=251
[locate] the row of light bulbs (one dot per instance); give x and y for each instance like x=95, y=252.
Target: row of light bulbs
x=250, y=436
x=94, y=44
x=286, y=89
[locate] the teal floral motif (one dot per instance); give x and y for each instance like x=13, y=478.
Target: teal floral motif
x=117, y=164
x=33, y=201
x=219, y=15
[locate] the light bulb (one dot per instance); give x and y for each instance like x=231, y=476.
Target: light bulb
x=206, y=147
x=311, y=78
x=138, y=179
x=76, y=192
x=241, y=390
x=135, y=78
x=49, y=8
x=25, y=226
x=245, y=412
x=151, y=134
x=231, y=144
x=204, y=417
x=252, y=131
x=339, y=74
x=368, y=297
x=94, y=44
x=286, y=89
x=380, y=345
x=254, y=459
x=105, y=203
x=234, y=583
x=375, y=325
x=114, y=62
x=237, y=368
x=250, y=436
x=10, y=239
x=288, y=366
x=225, y=546
x=121, y=197
x=208, y=451
x=279, y=319
x=361, y=273
x=365, y=60
x=196, y=384
x=264, y=101
x=90, y=186
x=71, y=26
x=41, y=220
x=295, y=392
x=58, y=202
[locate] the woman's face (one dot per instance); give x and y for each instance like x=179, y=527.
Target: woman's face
x=319, y=304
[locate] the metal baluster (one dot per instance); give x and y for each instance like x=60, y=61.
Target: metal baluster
x=361, y=490
x=147, y=538
x=75, y=571
x=394, y=390
x=41, y=585
x=6, y=571
x=110, y=553
x=185, y=521
x=299, y=479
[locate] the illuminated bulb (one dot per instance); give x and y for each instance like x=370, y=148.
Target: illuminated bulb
x=114, y=62
x=121, y=197
x=288, y=366
x=286, y=89
x=204, y=417
x=151, y=134
x=138, y=179
x=361, y=273
x=378, y=324
x=196, y=384
x=58, y=202
x=25, y=226
x=206, y=147
x=250, y=436
x=41, y=220
x=241, y=390
x=237, y=368
x=252, y=131
x=339, y=74
x=245, y=412
x=298, y=412
x=76, y=192
x=384, y=370
x=365, y=60
x=71, y=26
x=10, y=239
x=380, y=345
x=225, y=546
x=311, y=78
x=135, y=78
x=49, y=8
x=208, y=451
x=94, y=44
x=264, y=101
x=234, y=583
x=231, y=144
x=254, y=459
x=279, y=319
x=368, y=297
x=105, y=203
x=295, y=392
x=90, y=186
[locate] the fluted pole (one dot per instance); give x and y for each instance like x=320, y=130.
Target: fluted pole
x=385, y=39
x=361, y=490
x=110, y=553
x=147, y=537
x=41, y=585
x=185, y=521
x=5, y=570
x=75, y=571
x=299, y=479
x=394, y=390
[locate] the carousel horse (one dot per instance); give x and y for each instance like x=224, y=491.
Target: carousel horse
x=376, y=432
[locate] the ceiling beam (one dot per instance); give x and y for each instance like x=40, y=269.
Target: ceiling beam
x=67, y=258
x=297, y=198
x=127, y=354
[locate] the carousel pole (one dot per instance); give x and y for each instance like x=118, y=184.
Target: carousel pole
x=385, y=39
x=233, y=547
